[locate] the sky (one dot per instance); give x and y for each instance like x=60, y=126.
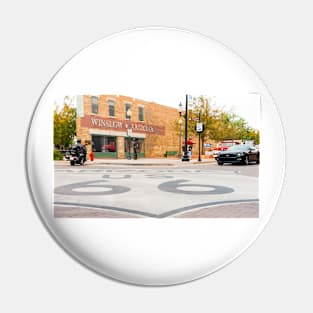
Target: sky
x=163, y=66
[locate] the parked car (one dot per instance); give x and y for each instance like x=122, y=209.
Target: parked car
x=243, y=154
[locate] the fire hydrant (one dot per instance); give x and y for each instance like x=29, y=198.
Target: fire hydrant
x=91, y=156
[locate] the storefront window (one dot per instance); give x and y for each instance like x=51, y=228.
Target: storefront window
x=104, y=146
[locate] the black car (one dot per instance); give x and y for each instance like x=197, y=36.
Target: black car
x=242, y=154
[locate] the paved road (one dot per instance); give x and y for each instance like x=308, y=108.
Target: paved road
x=250, y=170
x=204, y=190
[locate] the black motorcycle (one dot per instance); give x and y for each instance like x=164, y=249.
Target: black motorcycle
x=76, y=157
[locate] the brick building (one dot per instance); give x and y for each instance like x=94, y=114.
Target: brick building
x=104, y=125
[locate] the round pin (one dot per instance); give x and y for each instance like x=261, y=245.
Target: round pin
x=149, y=156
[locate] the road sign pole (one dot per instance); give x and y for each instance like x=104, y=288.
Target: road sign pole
x=185, y=157
x=199, y=156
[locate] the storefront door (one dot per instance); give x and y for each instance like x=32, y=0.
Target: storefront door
x=135, y=146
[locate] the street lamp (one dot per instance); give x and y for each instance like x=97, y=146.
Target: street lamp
x=128, y=115
x=180, y=110
x=199, y=131
x=180, y=122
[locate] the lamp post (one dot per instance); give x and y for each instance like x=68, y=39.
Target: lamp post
x=180, y=109
x=199, y=133
x=180, y=122
x=128, y=115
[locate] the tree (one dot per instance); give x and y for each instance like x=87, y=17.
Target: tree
x=219, y=124
x=203, y=113
x=64, y=125
x=228, y=125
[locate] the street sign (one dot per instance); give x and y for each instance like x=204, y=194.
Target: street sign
x=199, y=127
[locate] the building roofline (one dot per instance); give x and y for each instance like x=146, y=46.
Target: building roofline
x=130, y=99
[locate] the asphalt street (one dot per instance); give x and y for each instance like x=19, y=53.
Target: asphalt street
x=188, y=191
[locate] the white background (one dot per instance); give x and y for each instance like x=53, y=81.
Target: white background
x=274, y=274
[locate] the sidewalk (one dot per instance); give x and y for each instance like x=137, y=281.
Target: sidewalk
x=143, y=162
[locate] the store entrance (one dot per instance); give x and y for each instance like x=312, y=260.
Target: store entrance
x=104, y=146
x=134, y=146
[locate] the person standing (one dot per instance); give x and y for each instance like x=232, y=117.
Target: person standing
x=190, y=152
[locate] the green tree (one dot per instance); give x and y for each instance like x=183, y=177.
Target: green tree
x=228, y=125
x=64, y=126
x=201, y=113
x=219, y=124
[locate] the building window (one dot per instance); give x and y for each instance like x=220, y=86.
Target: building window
x=104, y=146
x=127, y=107
x=111, y=108
x=141, y=114
x=94, y=105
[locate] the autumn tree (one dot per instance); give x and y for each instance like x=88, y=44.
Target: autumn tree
x=219, y=124
x=202, y=112
x=64, y=126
